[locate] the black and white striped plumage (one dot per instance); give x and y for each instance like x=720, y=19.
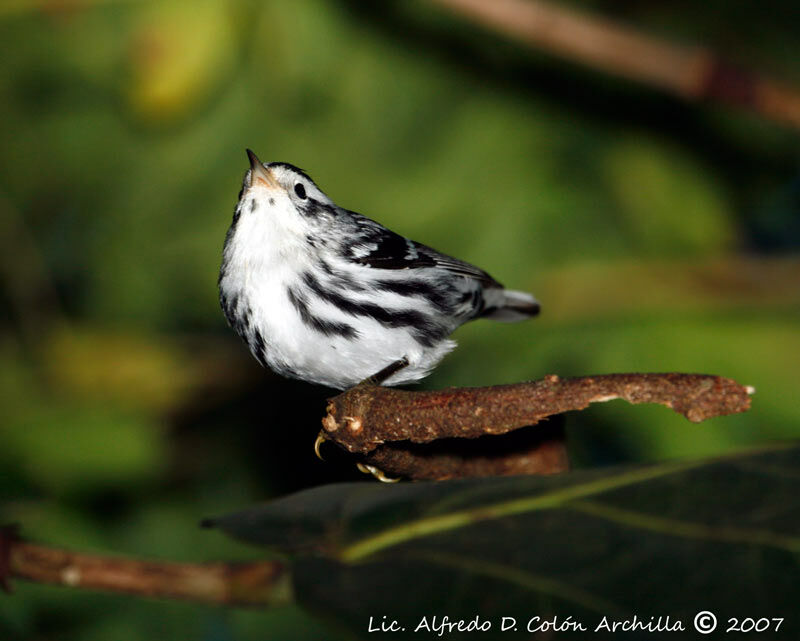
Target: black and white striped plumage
x=329, y=296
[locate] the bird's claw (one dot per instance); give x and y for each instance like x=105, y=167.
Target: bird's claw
x=321, y=438
x=377, y=473
x=363, y=467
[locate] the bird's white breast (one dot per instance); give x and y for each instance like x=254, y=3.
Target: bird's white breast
x=266, y=258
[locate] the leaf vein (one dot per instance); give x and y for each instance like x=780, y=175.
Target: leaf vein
x=524, y=579
x=434, y=525
x=686, y=529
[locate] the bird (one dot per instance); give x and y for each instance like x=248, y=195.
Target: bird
x=328, y=296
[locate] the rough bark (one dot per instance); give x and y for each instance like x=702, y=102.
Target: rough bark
x=385, y=426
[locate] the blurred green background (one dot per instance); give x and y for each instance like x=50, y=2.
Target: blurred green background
x=659, y=236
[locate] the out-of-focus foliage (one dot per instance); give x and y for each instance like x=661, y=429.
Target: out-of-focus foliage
x=659, y=236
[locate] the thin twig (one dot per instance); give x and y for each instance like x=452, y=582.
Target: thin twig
x=694, y=73
x=258, y=583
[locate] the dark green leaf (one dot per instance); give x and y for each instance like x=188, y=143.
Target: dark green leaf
x=664, y=540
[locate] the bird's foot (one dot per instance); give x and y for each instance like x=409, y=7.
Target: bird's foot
x=377, y=473
x=387, y=372
x=321, y=438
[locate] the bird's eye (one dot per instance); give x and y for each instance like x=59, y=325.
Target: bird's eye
x=300, y=190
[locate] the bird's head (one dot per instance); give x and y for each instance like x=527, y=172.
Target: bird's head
x=281, y=195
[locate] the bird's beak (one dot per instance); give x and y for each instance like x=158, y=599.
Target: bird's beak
x=259, y=174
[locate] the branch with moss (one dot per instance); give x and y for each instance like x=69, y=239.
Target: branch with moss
x=387, y=428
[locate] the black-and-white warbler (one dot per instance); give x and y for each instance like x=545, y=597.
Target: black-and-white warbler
x=329, y=296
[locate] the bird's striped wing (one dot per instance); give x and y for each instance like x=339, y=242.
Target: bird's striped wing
x=375, y=246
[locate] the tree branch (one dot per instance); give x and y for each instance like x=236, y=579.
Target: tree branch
x=257, y=583
x=386, y=426
x=540, y=450
x=693, y=73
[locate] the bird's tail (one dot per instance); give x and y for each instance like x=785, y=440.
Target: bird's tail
x=510, y=305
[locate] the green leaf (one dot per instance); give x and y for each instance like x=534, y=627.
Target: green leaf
x=663, y=540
